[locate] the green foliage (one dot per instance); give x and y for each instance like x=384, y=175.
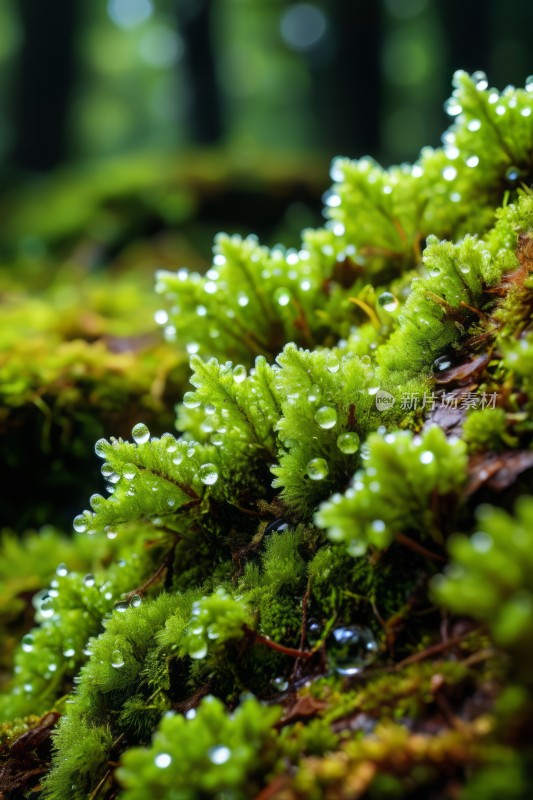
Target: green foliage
x=225, y=754
x=489, y=577
x=392, y=493
x=308, y=590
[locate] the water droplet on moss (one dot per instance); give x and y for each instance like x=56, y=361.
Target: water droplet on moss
x=472, y=161
x=27, y=643
x=89, y=580
x=280, y=684
x=190, y=714
x=121, y=607
x=140, y=433
x=129, y=471
x=480, y=79
x=317, y=469
x=388, y=302
x=326, y=416
x=62, y=570
x=449, y=173
x=100, y=448
x=332, y=363
x=80, y=524
x=117, y=659
x=351, y=648
x=441, y=364
x=136, y=601
x=239, y=373
x=282, y=297
x=277, y=526
x=219, y=755
x=513, y=174
x=348, y=443
x=208, y=474
x=199, y=652
x=426, y=457
x=163, y=760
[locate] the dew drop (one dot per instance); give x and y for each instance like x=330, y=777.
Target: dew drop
x=326, y=416
x=121, y=607
x=136, y=601
x=69, y=652
x=480, y=79
x=351, y=648
x=208, y=474
x=317, y=469
x=129, y=471
x=277, y=526
x=474, y=125
x=280, y=683
x=313, y=395
x=481, y=542
x=332, y=363
x=190, y=714
x=239, y=373
x=441, y=364
x=190, y=400
x=242, y=299
x=529, y=83
x=449, y=173
x=388, y=302
x=89, y=580
x=161, y=317
x=163, y=760
x=140, y=433
x=452, y=107
x=117, y=659
x=219, y=755
x=426, y=457
x=62, y=570
x=282, y=297
x=27, y=643
x=472, y=161
x=101, y=447
x=513, y=174
x=348, y=443
x=200, y=652
x=80, y=524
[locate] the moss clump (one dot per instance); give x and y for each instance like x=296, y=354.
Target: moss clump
x=292, y=613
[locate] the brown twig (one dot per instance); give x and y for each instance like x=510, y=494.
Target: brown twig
x=280, y=648
x=418, y=548
x=165, y=564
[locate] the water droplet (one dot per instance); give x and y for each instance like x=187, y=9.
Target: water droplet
x=277, y=526
x=326, y=416
x=426, y=457
x=89, y=580
x=441, y=364
x=27, y=643
x=69, y=651
x=280, y=683
x=314, y=630
x=464, y=268
x=449, y=173
x=121, y=607
x=317, y=469
x=190, y=400
x=351, y=648
x=80, y=524
x=348, y=443
x=140, y=433
x=452, y=107
x=313, y=395
x=388, y=302
x=526, y=112
x=513, y=174
x=219, y=755
x=129, y=471
x=529, y=83
x=242, y=299
x=208, y=474
x=161, y=317
x=117, y=659
x=481, y=542
x=282, y=297
x=163, y=760
x=332, y=363
x=100, y=448
x=110, y=533
x=136, y=601
x=199, y=652
x=480, y=79
x=190, y=714
x=177, y=459
x=62, y=570
x=239, y=373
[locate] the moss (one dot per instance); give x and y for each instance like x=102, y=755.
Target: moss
x=283, y=606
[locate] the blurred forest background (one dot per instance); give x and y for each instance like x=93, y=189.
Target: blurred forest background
x=86, y=79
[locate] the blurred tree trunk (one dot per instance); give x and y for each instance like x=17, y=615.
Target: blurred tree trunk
x=194, y=20
x=44, y=82
x=349, y=87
